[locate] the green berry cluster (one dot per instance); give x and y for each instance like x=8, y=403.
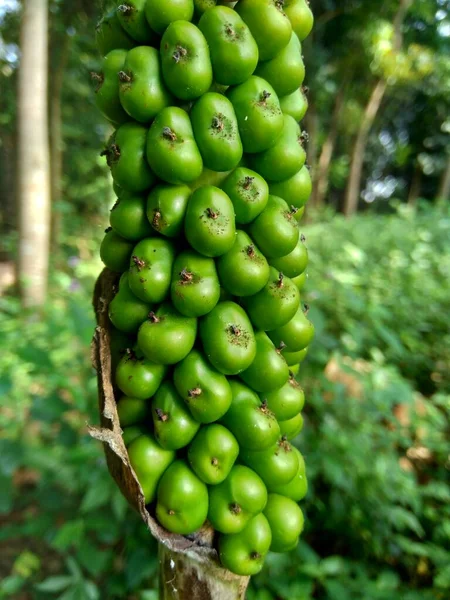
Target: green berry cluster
x=207, y=325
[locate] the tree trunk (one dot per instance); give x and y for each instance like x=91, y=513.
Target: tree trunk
x=444, y=187
x=416, y=186
x=323, y=166
x=357, y=161
x=184, y=577
x=56, y=137
x=33, y=155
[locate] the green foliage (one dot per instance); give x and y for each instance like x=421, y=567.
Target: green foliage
x=375, y=439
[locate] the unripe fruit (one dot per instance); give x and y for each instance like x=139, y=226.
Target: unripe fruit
x=212, y=453
x=234, y=52
x=206, y=391
x=149, y=462
x=115, y=251
x=126, y=311
x=275, y=230
x=125, y=155
x=294, y=263
x=128, y=217
x=276, y=465
x=292, y=427
x=286, y=522
x=287, y=401
x=150, y=268
x=138, y=377
x=107, y=89
x=235, y=501
x=295, y=104
x=298, y=487
x=172, y=151
x=166, y=337
x=268, y=23
x=286, y=71
x=110, y=35
x=296, y=335
x=268, y=361
x=248, y=192
x=142, y=91
x=182, y=499
x=132, y=18
x=244, y=552
x=166, y=208
x=161, y=14
x=294, y=191
x=185, y=59
x=173, y=424
x=131, y=411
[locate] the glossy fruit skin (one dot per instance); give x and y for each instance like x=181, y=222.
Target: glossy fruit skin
x=258, y=113
x=182, y=499
x=300, y=280
x=173, y=424
x=295, y=104
x=287, y=401
x=132, y=18
x=254, y=426
x=275, y=304
x=172, y=151
x=110, y=35
x=137, y=377
x=236, y=500
x=131, y=411
x=275, y=230
x=297, y=488
x=142, y=91
x=185, y=59
x=209, y=225
x=234, y=52
x=269, y=370
x=115, y=251
x=243, y=270
x=248, y=192
x=195, y=287
x=212, y=453
x=294, y=263
x=201, y=6
x=166, y=207
x=285, y=158
x=128, y=217
x=296, y=190
x=286, y=522
x=244, y=553
x=206, y=391
x=126, y=311
x=129, y=434
x=107, y=91
x=216, y=132
x=286, y=71
x=268, y=23
x=228, y=339
x=297, y=334
x=125, y=156
x=294, y=369
x=301, y=17
x=208, y=177
x=276, y=465
x=167, y=337
x=161, y=14
x=292, y=427
x=293, y=358
x=150, y=268
x=149, y=461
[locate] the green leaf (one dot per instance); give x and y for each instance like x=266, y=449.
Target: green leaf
x=442, y=579
x=332, y=566
x=97, y=495
x=54, y=584
x=69, y=534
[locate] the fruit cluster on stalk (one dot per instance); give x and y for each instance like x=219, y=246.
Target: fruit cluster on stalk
x=207, y=326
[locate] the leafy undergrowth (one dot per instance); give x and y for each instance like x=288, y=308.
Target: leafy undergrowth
x=375, y=437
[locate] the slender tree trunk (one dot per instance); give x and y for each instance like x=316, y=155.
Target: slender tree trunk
x=323, y=166
x=444, y=186
x=56, y=137
x=184, y=577
x=357, y=161
x=33, y=155
x=416, y=186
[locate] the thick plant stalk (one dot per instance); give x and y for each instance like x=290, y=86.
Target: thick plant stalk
x=183, y=576
x=190, y=569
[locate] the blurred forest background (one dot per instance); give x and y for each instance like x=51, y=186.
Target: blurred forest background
x=376, y=436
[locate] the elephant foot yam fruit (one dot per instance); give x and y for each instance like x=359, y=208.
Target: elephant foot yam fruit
x=207, y=321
